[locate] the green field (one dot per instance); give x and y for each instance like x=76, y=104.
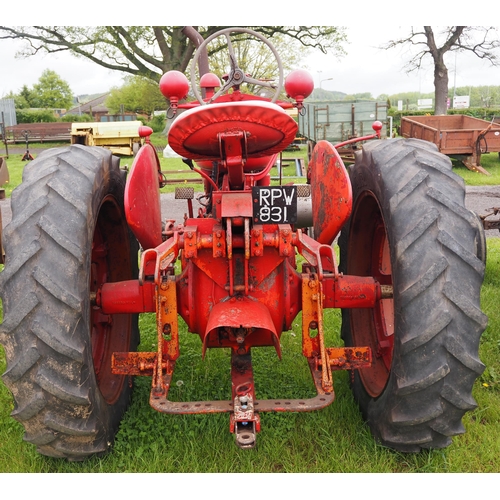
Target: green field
x=331, y=440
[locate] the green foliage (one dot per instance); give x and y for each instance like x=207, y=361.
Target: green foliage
x=138, y=95
x=35, y=115
x=410, y=99
x=484, y=100
x=157, y=123
x=319, y=94
x=482, y=97
x=482, y=113
x=15, y=166
x=361, y=96
x=84, y=117
x=150, y=51
x=27, y=95
x=51, y=91
x=486, y=96
x=21, y=100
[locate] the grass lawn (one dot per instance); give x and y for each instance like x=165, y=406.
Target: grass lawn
x=490, y=161
x=331, y=440
x=174, y=168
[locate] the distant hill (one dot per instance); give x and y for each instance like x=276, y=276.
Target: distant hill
x=326, y=95
x=485, y=96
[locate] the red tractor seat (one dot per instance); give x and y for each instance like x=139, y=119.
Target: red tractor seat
x=195, y=133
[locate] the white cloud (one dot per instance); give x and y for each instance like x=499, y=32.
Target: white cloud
x=366, y=68
x=84, y=77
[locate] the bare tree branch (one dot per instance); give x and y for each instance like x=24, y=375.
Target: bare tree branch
x=481, y=41
x=148, y=50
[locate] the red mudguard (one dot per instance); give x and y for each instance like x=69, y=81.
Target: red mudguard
x=142, y=198
x=330, y=191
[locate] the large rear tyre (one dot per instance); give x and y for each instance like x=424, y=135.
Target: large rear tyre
x=67, y=236
x=409, y=229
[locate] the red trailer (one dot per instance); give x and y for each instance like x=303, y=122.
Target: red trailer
x=456, y=135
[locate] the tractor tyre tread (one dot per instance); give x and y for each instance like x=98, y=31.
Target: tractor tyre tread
x=45, y=331
x=437, y=278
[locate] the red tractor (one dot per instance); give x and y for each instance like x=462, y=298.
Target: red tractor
x=408, y=283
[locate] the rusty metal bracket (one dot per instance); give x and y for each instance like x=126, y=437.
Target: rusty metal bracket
x=190, y=242
x=313, y=345
x=320, y=256
x=312, y=320
x=242, y=376
x=163, y=405
x=491, y=224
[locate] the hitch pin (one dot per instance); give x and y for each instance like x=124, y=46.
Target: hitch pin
x=244, y=430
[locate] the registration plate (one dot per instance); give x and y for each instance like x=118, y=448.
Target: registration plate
x=274, y=204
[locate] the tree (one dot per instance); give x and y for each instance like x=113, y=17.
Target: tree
x=51, y=91
x=138, y=94
x=150, y=51
x=25, y=97
x=481, y=41
x=21, y=100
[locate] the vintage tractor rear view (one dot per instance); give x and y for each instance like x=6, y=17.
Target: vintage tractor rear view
x=408, y=283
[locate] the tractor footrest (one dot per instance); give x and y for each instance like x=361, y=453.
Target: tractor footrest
x=184, y=193
x=318, y=402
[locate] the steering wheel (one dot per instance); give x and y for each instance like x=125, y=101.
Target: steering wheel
x=236, y=75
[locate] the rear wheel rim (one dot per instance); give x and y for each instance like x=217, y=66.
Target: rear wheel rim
x=110, y=262
x=369, y=255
